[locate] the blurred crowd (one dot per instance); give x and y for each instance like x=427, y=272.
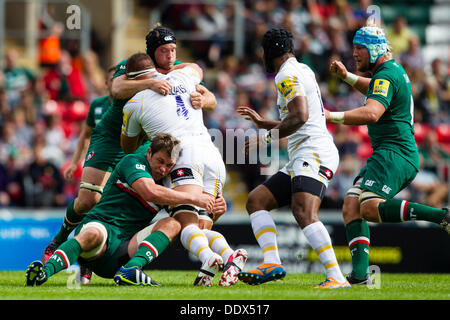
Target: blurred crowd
x=41, y=114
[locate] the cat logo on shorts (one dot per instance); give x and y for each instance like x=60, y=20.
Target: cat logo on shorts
x=90, y=155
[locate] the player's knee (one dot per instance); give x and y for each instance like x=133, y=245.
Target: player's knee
x=171, y=228
x=255, y=202
x=90, y=238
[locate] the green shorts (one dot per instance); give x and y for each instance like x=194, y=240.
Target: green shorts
x=116, y=253
x=105, y=152
x=386, y=173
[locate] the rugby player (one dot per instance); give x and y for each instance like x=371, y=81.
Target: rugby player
x=112, y=239
x=150, y=112
x=388, y=112
x=313, y=159
x=104, y=150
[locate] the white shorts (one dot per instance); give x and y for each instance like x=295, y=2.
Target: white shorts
x=318, y=163
x=200, y=164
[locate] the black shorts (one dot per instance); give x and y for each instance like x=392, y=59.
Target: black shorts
x=283, y=187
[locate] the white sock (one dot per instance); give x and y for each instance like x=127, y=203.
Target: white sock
x=195, y=241
x=265, y=233
x=320, y=241
x=218, y=244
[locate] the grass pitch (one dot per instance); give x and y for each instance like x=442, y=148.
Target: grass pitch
x=178, y=285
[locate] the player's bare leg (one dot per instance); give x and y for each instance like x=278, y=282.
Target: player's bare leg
x=92, y=182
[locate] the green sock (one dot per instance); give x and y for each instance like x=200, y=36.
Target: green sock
x=71, y=220
x=397, y=210
x=149, y=249
x=64, y=256
x=358, y=237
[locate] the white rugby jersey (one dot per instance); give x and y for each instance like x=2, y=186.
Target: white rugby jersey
x=297, y=79
x=172, y=114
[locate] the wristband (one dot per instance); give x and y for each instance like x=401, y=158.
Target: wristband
x=351, y=78
x=337, y=117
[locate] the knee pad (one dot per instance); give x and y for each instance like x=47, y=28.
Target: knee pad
x=183, y=208
x=368, y=195
x=203, y=215
x=96, y=250
x=91, y=187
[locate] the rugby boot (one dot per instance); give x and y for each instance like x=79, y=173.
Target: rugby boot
x=208, y=270
x=365, y=281
x=445, y=224
x=134, y=277
x=265, y=272
x=49, y=250
x=331, y=283
x=85, y=275
x=35, y=274
x=234, y=265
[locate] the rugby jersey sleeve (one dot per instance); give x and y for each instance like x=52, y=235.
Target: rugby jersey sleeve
x=131, y=121
x=381, y=88
x=133, y=167
x=289, y=86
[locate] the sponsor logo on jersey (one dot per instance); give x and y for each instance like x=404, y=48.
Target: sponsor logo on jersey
x=181, y=174
x=381, y=86
x=286, y=88
x=140, y=166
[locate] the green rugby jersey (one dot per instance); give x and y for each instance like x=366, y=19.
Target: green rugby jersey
x=120, y=205
x=97, y=109
x=390, y=85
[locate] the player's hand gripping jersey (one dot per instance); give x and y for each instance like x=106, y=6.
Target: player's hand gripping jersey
x=312, y=142
x=173, y=114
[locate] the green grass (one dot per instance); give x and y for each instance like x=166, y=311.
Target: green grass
x=177, y=285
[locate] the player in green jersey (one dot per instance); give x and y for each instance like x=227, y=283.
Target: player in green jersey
x=112, y=239
x=104, y=149
x=96, y=110
x=388, y=113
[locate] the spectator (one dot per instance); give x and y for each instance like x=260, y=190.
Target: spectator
x=50, y=47
x=11, y=183
x=428, y=188
x=43, y=183
x=16, y=79
x=432, y=155
x=413, y=60
x=65, y=83
x=398, y=36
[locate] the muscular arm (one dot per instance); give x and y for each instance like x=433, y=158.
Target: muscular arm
x=123, y=88
x=82, y=146
x=150, y=191
x=298, y=115
x=130, y=144
x=370, y=113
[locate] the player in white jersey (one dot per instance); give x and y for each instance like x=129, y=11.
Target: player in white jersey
x=313, y=159
x=152, y=113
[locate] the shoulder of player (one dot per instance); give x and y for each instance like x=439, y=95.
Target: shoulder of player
x=134, y=161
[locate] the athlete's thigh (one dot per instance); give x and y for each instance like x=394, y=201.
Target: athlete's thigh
x=95, y=176
x=386, y=173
